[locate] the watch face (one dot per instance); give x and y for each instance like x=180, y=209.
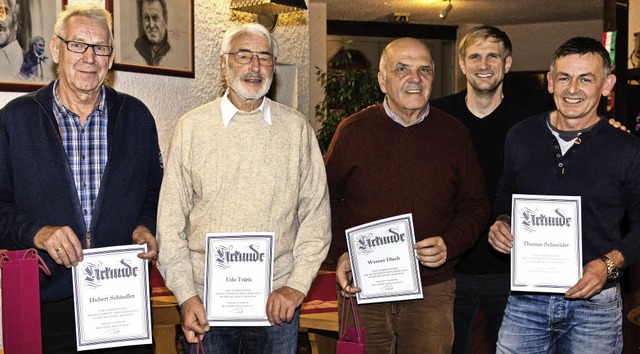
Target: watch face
x=615, y=273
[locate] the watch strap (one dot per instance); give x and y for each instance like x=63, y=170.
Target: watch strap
x=613, y=273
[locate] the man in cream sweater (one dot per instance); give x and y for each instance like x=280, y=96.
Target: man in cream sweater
x=244, y=163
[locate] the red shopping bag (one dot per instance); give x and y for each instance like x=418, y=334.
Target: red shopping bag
x=351, y=339
x=21, y=301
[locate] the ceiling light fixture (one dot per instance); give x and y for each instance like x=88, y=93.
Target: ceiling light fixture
x=268, y=10
x=445, y=12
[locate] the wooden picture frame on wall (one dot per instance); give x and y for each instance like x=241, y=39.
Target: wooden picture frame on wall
x=633, y=24
x=147, y=41
x=26, y=64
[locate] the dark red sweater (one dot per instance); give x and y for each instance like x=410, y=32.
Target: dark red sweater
x=377, y=168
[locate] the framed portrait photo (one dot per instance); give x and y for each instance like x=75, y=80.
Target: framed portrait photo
x=26, y=27
x=153, y=36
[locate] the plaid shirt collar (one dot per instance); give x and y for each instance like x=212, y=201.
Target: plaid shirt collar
x=62, y=112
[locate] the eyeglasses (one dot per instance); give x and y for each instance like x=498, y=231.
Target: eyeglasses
x=80, y=47
x=244, y=56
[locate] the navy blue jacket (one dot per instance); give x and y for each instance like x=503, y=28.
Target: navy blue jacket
x=603, y=168
x=37, y=188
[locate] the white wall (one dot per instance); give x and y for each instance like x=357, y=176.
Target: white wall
x=534, y=44
x=168, y=97
x=317, y=55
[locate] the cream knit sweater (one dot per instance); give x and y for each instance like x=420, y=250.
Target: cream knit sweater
x=247, y=177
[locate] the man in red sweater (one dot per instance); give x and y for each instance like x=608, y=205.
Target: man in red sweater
x=403, y=156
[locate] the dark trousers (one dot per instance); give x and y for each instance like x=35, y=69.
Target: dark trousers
x=59, y=331
x=485, y=292
x=412, y=326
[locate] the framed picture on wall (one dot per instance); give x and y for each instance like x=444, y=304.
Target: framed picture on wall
x=153, y=36
x=26, y=27
x=634, y=38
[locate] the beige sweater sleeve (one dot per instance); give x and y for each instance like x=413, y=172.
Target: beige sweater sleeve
x=173, y=210
x=314, y=216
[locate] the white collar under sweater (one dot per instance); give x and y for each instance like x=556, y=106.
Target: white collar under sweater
x=229, y=110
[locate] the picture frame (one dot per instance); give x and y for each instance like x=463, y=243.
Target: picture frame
x=134, y=46
x=633, y=49
x=31, y=66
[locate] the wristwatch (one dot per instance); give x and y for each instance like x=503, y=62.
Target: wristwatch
x=613, y=273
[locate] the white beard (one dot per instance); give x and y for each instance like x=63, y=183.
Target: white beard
x=237, y=85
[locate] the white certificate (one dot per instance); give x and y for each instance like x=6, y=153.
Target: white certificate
x=238, y=278
x=111, y=298
x=383, y=261
x=547, y=243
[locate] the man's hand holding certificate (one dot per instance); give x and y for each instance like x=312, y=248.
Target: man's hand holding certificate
x=238, y=278
x=383, y=260
x=111, y=298
x=546, y=249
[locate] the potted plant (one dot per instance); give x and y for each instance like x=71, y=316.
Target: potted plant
x=349, y=86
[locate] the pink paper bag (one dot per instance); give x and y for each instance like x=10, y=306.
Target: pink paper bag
x=351, y=339
x=21, y=301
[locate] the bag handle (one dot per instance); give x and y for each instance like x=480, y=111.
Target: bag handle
x=350, y=307
x=41, y=264
x=27, y=254
x=199, y=347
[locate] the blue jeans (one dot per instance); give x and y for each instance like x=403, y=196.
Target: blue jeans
x=543, y=323
x=485, y=292
x=251, y=340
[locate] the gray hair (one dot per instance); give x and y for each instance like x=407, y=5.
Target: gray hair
x=254, y=28
x=92, y=12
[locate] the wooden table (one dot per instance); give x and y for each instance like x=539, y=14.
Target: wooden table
x=322, y=329
x=165, y=316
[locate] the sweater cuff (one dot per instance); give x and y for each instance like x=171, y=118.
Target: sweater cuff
x=30, y=233
x=148, y=223
x=302, y=283
x=185, y=294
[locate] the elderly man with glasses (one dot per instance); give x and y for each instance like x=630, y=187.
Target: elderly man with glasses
x=80, y=167
x=244, y=163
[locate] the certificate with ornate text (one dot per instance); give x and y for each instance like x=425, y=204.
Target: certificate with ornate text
x=111, y=298
x=383, y=261
x=238, y=278
x=547, y=243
